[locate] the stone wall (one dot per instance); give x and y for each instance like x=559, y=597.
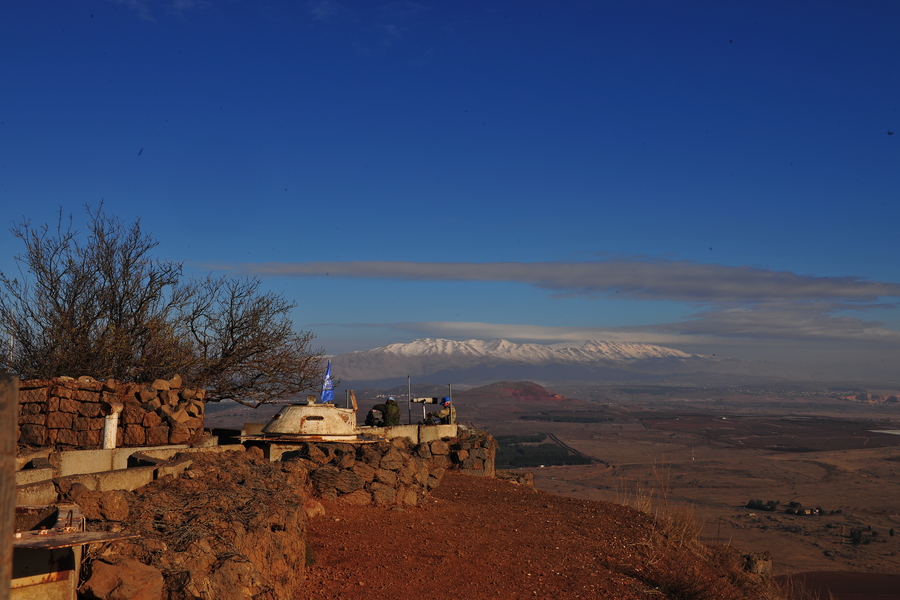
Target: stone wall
x=69, y=413
x=223, y=523
x=391, y=472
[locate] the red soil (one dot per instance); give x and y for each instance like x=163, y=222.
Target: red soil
x=482, y=538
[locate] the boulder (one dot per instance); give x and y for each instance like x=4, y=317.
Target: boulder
x=127, y=579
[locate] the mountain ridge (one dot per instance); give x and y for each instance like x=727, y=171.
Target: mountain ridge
x=477, y=362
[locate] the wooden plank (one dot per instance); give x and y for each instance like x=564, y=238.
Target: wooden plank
x=9, y=418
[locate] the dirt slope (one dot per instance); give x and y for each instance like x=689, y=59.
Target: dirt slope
x=486, y=538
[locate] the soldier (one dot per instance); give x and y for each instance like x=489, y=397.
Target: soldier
x=391, y=412
x=375, y=418
x=445, y=416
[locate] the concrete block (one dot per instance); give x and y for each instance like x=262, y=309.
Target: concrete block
x=410, y=432
x=274, y=451
x=252, y=428
x=428, y=433
x=33, y=476
x=24, y=459
x=209, y=441
x=88, y=480
x=74, y=462
x=174, y=468
x=121, y=455
x=36, y=494
x=227, y=448
x=125, y=479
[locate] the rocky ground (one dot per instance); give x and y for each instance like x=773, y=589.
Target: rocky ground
x=487, y=538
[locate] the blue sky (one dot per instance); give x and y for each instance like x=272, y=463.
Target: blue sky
x=716, y=177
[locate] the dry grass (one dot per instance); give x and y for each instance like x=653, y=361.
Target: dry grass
x=676, y=530
x=676, y=522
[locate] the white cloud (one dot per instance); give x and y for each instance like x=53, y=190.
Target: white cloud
x=532, y=333
x=680, y=281
x=735, y=305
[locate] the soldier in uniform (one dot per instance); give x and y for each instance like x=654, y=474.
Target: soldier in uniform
x=375, y=418
x=445, y=416
x=391, y=412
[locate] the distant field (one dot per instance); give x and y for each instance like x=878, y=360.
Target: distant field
x=715, y=451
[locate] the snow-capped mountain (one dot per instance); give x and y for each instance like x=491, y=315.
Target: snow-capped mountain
x=586, y=352
x=477, y=361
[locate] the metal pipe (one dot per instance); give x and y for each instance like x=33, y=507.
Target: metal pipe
x=111, y=425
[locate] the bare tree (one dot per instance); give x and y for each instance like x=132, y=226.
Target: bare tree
x=245, y=346
x=102, y=306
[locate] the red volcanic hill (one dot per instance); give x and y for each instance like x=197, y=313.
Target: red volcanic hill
x=512, y=391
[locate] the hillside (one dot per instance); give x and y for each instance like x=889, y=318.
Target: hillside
x=486, y=538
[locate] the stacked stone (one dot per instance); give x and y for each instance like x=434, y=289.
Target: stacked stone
x=70, y=413
x=163, y=413
x=473, y=452
x=395, y=472
x=383, y=473
x=63, y=411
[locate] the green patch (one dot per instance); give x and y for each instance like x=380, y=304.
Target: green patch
x=522, y=456
x=534, y=438
x=565, y=419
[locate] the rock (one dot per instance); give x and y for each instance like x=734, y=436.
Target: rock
x=151, y=419
x=113, y=506
x=179, y=434
x=151, y=405
x=194, y=409
x=357, y=498
x=312, y=452
x=147, y=394
x=237, y=579
x=758, y=563
x=392, y=461
x=408, y=497
x=343, y=481
x=160, y=385
x=175, y=382
x=386, y=477
x=135, y=435
x=459, y=456
x=366, y=472
x=127, y=579
x=440, y=448
x=313, y=508
x=87, y=500
x=179, y=417
x=158, y=436
x=383, y=494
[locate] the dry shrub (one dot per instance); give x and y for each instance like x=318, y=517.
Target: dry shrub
x=675, y=532
x=680, y=525
x=639, y=498
x=676, y=522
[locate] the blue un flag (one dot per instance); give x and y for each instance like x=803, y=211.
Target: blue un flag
x=328, y=386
